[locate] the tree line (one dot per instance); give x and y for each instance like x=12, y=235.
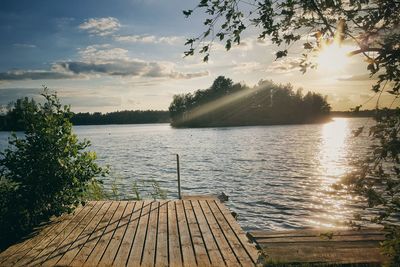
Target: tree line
x=121, y=117
x=227, y=103
x=16, y=114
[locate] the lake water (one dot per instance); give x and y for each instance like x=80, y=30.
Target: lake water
x=276, y=177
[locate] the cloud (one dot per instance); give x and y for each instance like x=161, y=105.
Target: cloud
x=284, y=65
x=25, y=45
x=247, y=67
x=102, y=53
x=150, y=39
x=100, y=26
x=180, y=75
x=126, y=68
x=115, y=68
x=102, y=60
x=18, y=75
x=246, y=44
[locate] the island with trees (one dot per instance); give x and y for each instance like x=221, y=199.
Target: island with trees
x=227, y=103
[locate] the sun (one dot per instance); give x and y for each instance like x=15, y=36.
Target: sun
x=333, y=57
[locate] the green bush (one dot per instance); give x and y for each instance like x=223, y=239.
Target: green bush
x=46, y=172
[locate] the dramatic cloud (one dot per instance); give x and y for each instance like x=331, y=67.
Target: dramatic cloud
x=102, y=60
x=151, y=39
x=100, y=26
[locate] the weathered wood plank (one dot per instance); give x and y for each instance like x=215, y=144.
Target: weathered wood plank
x=57, y=236
x=315, y=232
x=227, y=253
x=250, y=248
x=175, y=255
x=101, y=246
x=231, y=237
x=313, y=239
x=162, y=235
x=199, y=245
x=113, y=246
x=64, y=246
x=69, y=256
x=212, y=247
x=189, y=258
x=135, y=256
x=129, y=237
x=150, y=245
x=321, y=246
x=343, y=244
x=88, y=247
x=324, y=255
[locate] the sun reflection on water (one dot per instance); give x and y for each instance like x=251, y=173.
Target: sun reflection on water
x=333, y=148
x=332, y=210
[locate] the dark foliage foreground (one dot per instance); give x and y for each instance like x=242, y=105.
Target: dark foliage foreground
x=46, y=172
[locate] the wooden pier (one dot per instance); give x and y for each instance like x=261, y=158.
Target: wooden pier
x=189, y=232
x=321, y=247
x=195, y=231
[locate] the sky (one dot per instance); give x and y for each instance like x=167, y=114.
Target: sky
x=103, y=56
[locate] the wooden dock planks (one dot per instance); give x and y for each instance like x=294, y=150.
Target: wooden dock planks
x=321, y=246
x=190, y=232
x=195, y=231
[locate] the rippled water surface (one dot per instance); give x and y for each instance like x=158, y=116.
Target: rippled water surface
x=276, y=177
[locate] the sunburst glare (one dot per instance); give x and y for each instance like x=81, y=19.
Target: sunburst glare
x=333, y=57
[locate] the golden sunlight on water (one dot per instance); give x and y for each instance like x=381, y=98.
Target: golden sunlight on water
x=332, y=166
x=333, y=146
